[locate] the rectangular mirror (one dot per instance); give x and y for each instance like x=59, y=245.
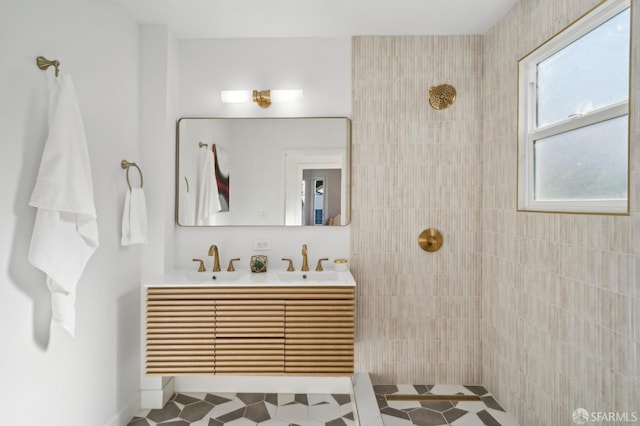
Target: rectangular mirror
x=263, y=171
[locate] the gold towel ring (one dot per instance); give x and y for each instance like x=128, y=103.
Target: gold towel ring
x=127, y=165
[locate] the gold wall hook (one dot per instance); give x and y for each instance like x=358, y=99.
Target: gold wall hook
x=44, y=63
x=430, y=240
x=442, y=96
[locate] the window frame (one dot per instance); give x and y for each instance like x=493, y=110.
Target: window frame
x=528, y=133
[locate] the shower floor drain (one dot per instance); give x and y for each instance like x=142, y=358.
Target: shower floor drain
x=431, y=397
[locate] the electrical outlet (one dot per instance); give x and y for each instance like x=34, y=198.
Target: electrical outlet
x=262, y=245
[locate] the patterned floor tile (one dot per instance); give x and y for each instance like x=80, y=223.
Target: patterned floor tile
x=293, y=412
x=325, y=412
x=168, y=412
x=240, y=422
x=227, y=407
x=250, y=409
x=426, y=417
x=404, y=405
x=395, y=421
x=138, y=421
x=270, y=409
x=485, y=412
x=196, y=411
x=273, y=422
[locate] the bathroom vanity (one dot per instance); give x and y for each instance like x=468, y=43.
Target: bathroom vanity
x=251, y=324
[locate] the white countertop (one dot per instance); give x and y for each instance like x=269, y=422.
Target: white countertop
x=275, y=278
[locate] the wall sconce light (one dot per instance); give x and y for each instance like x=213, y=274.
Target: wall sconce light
x=263, y=98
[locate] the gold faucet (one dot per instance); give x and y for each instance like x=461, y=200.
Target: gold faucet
x=230, y=268
x=201, y=267
x=290, y=268
x=213, y=251
x=319, y=265
x=305, y=262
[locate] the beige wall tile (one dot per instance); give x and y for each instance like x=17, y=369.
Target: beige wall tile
x=543, y=309
x=580, y=273
x=415, y=168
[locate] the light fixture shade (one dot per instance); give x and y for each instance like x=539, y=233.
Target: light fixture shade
x=236, y=96
x=286, y=95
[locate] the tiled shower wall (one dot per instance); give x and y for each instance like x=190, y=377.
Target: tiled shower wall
x=560, y=293
x=418, y=313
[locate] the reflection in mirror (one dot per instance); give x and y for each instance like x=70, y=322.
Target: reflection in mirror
x=263, y=171
x=318, y=202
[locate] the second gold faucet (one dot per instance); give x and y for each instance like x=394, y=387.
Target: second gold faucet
x=213, y=251
x=305, y=262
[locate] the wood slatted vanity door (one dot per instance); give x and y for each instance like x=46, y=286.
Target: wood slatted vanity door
x=250, y=336
x=320, y=333
x=180, y=330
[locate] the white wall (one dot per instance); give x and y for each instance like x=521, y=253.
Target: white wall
x=158, y=99
x=321, y=67
x=48, y=377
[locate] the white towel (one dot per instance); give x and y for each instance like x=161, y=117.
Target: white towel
x=134, y=218
x=65, y=233
x=208, y=200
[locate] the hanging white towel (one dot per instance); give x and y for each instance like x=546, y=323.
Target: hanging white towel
x=208, y=200
x=65, y=233
x=134, y=218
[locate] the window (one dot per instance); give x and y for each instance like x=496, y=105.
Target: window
x=573, y=117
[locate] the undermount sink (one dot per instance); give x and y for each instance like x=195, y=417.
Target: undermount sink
x=222, y=276
x=270, y=278
x=309, y=276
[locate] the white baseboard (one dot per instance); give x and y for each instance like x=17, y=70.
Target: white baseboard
x=127, y=412
x=157, y=398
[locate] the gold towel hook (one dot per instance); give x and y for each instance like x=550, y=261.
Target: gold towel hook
x=127, y=165
x=44, y=63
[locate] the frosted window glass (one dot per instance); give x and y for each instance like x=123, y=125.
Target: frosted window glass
x=587, y=163
x=589, y=73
